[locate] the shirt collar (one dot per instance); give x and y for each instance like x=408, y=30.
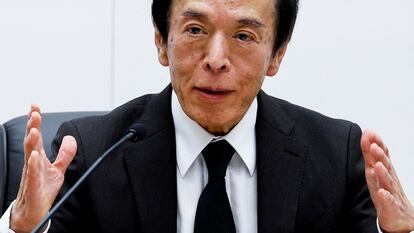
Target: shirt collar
x=191, y=138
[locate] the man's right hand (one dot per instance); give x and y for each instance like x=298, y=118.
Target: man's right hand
x=41, y=180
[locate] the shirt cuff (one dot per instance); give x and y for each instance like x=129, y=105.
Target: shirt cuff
x=5, y=221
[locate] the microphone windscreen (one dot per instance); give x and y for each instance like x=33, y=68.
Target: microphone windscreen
x=138, y=130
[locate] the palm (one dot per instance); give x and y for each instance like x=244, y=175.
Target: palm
x=44, y=183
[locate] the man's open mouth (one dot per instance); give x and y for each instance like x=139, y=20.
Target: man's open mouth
x=213, y=92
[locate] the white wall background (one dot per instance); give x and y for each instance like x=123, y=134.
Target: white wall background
x=348, y=59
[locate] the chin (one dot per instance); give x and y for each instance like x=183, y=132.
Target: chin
x=217, y=127
x=217, y=131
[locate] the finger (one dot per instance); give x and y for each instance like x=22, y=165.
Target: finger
x=34, y=167
x=33, y=108
x=379, y=155
x=30, y=142
x=36, y=123
x=373, y=137
x=366, y=141
x=33, y=141
x=32, y=171
x=66, y=153
x=372, y=183
x=366, y=149
x=385, y=200
x=385, y=179
x=32, y=118
x=33, y=123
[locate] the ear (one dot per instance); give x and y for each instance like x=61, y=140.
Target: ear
x=161, y=44
x=277, y=60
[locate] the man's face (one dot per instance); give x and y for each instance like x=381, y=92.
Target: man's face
x=219, y=52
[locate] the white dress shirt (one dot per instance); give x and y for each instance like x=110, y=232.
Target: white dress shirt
x=192, y=174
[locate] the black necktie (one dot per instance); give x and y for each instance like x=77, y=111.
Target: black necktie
x=213, y=210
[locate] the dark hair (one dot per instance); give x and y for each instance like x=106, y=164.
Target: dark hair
x=285, y=11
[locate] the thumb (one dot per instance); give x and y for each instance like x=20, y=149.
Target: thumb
x=66, y=153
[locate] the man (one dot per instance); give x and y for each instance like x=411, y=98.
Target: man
x=293, y=170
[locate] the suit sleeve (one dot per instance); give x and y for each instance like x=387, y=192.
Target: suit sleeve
x=361, y=212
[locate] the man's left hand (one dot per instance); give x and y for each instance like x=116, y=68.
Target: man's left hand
x=394, y=210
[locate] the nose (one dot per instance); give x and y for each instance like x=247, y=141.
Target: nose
x=216, y=59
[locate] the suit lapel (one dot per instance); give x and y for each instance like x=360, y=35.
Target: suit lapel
x=151, y=166
x=280, y=165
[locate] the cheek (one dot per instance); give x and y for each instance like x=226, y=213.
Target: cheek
x=184, y=60
x=251, y=84
x=252, y=74
x=253, y=65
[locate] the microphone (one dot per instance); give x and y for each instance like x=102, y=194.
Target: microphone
x=137, y=132
x=134, y=133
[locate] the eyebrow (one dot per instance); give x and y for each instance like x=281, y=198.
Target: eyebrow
x=190, y=13
x=251, y=22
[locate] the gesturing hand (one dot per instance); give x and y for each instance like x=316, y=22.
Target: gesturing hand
x=394, y=210
x=41, y=180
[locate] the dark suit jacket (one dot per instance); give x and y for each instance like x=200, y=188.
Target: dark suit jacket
x=310, y=172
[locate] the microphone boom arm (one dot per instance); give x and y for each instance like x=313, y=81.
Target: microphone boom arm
x=134, y=133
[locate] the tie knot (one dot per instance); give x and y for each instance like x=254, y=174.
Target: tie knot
x=217, y=156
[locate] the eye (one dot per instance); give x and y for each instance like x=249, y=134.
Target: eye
x=245, y=37
x=195, y=30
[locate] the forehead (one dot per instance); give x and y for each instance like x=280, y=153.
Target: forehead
x=261, y=9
